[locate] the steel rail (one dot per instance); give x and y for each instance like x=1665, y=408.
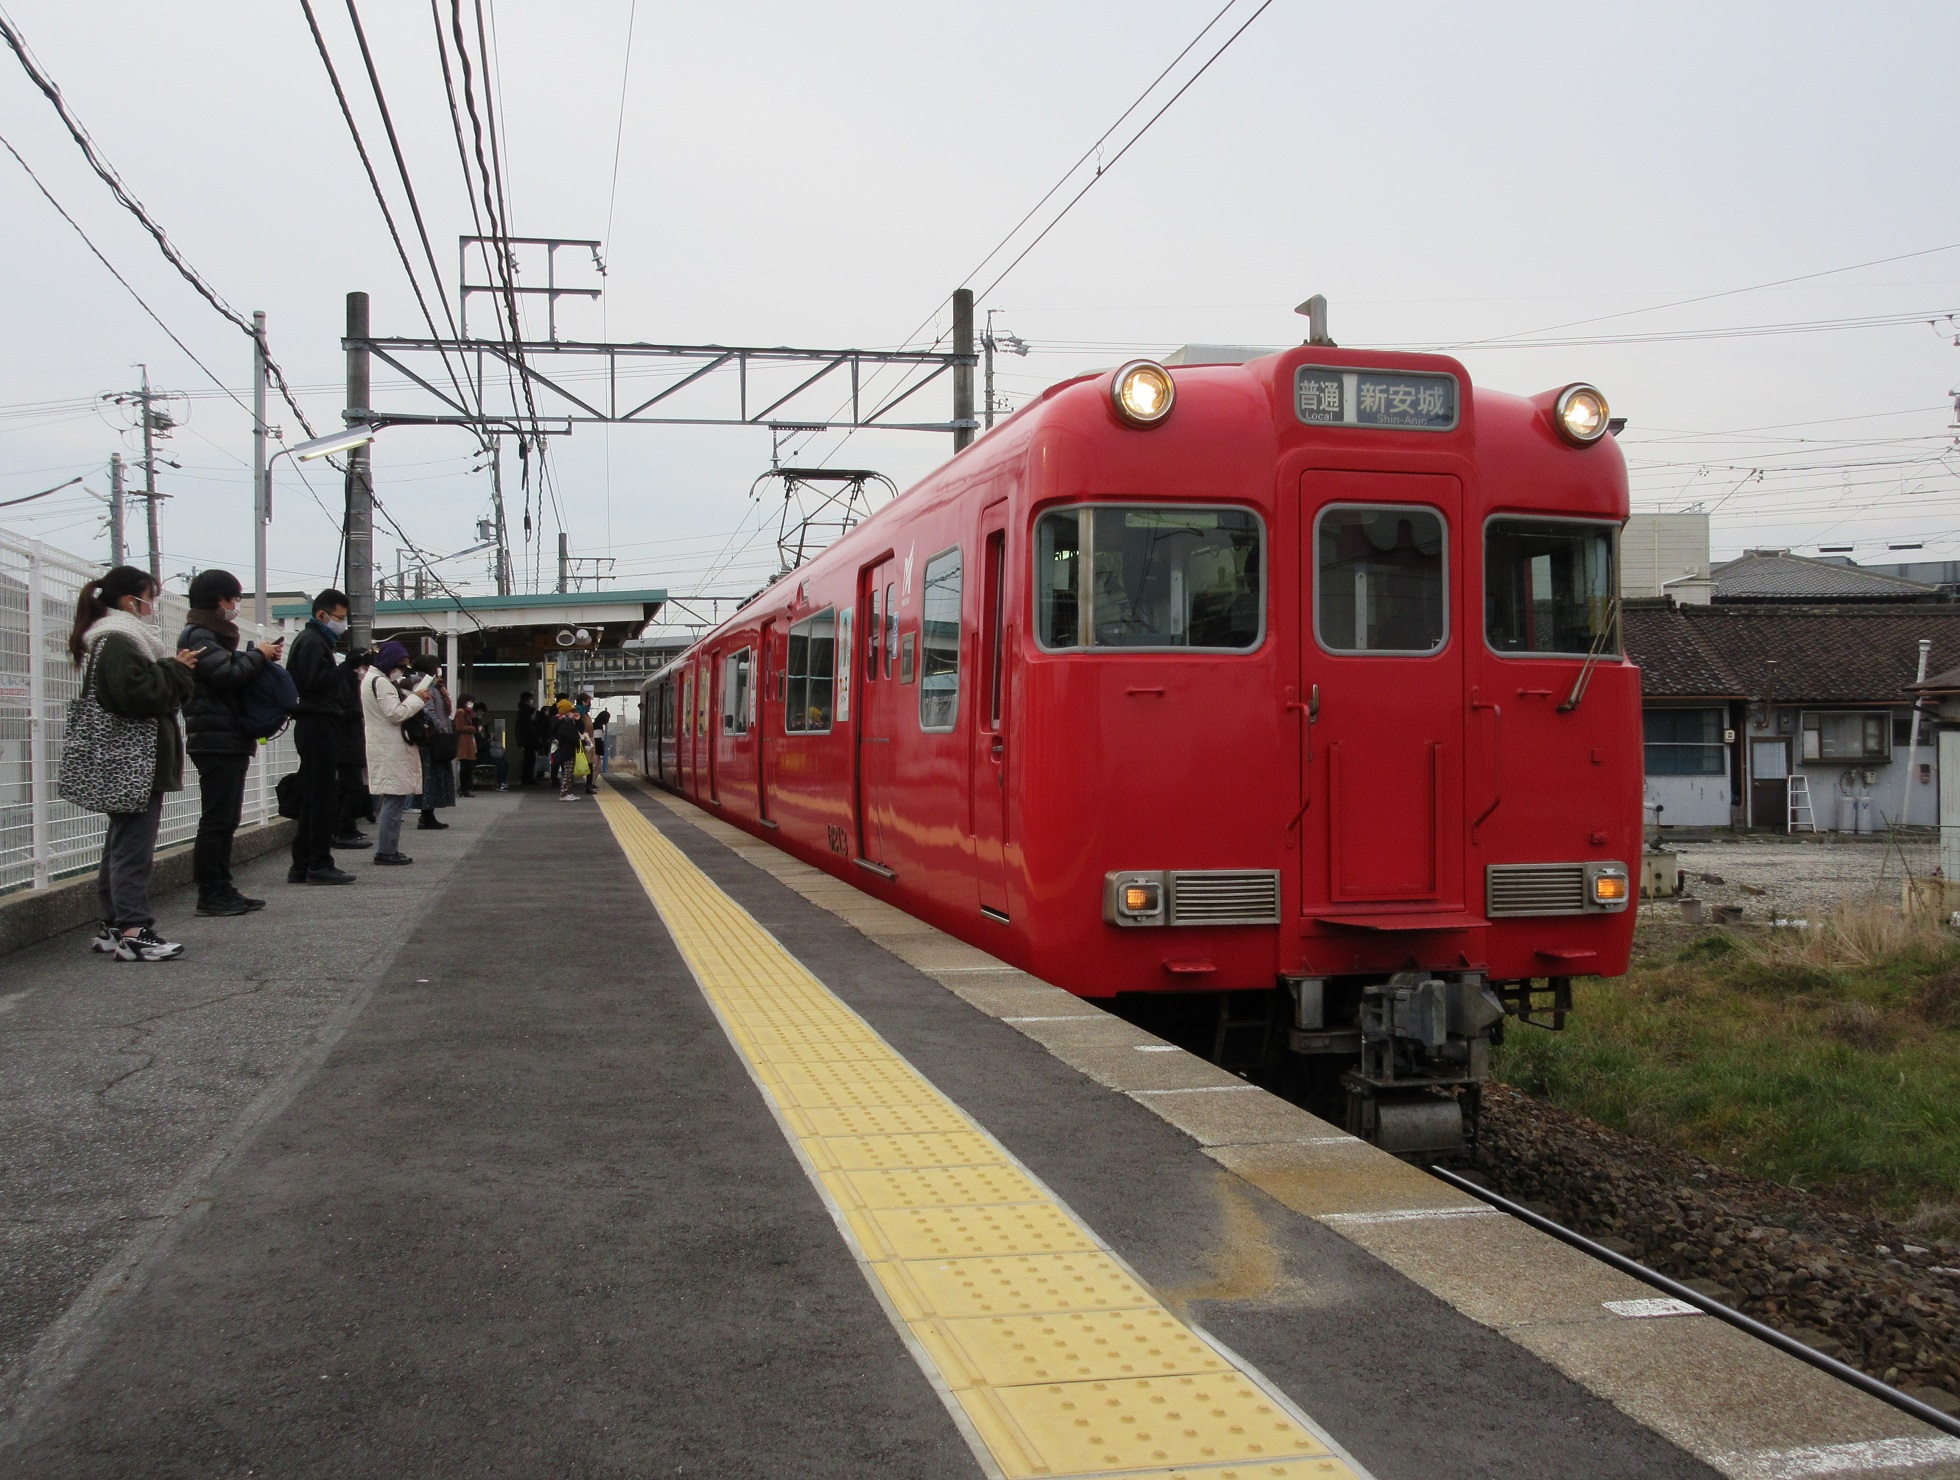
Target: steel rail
x=1842, y=1371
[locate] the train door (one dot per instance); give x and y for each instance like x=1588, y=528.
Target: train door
x=765, y=725
x=711, y=725
x=987, y=775
x=880, y=704
x=1381, y=686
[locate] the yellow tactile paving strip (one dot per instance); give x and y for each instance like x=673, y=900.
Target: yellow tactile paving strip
x=1056, y=1360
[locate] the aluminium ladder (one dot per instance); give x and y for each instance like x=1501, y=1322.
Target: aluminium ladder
x=1802, y=818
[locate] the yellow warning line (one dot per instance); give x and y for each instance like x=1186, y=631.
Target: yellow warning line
x=1055, y=1360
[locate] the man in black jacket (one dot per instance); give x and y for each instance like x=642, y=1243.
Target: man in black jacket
x=316, y=736
x=215, y=735
x=351, y=764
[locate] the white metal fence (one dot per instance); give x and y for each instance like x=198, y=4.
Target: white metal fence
x=43, y=838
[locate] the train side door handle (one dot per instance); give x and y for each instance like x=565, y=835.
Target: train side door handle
x=1311, y=709
x=998, y=748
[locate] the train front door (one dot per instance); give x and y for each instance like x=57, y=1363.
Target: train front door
x=1381, y=701
x=879, y=707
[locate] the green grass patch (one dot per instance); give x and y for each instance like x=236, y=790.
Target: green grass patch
x=1827, y=1060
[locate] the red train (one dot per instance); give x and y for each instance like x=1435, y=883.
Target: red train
x=1296, y=683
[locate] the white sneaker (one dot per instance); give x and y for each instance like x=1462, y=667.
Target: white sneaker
x=105, y=940
x=146, y=945
x=566, y=797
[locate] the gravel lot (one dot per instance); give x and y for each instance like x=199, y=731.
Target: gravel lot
x=1772, y=877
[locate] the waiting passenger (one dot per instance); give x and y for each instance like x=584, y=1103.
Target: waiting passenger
x=316, y=736
x=394, y=762
x=350, y=764
x=567, y=737
x=131, y=675
x=215, y=733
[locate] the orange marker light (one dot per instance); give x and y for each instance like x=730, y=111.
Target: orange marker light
x=1609, y=889
x=1140, y=899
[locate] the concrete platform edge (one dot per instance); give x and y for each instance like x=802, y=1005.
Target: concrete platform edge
x=33, y=915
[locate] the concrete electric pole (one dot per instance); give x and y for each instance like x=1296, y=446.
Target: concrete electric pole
x=261, y=480
x=118, y=542
x=963, y=373
x=564, y=562
x=360, y=484
x=150, y=430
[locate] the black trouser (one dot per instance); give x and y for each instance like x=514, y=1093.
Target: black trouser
x=353, y=799
x=316, y=738
x=221, y=790
x=527, y=774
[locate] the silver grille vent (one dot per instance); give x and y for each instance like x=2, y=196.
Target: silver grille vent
x=1535, y=889
x=1224, y=897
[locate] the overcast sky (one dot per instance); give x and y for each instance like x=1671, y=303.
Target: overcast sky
x=824, y=175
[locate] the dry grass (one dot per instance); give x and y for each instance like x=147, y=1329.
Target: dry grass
x=1826, y=1057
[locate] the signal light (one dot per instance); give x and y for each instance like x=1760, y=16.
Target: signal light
x=1141, y=899
x=1609, y=888
x=1143, y=393
x=1581, y=415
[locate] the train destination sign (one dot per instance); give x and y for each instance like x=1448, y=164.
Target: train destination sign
x=1407, y=400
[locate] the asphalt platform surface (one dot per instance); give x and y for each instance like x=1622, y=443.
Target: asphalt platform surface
x=454, y=1173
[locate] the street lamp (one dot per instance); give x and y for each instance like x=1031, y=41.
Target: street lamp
x=344, y=440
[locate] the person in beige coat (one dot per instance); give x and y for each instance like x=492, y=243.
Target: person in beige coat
x=394, y=764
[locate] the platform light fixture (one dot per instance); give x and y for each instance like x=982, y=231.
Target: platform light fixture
x=344, y=440
x=1581, y=415
x=1143, y=393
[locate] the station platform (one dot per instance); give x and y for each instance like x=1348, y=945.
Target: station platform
x=609, y=1141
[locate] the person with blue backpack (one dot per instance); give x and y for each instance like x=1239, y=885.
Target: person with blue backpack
x=240, y=691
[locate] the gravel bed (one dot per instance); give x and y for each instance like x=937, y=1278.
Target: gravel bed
x=1866, y=1291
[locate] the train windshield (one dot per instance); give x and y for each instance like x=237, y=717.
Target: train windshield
x=1158, y=577
x=1549, y=587
x=1382, y=579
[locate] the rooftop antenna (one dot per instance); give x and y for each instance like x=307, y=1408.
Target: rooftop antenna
x=1315, y=308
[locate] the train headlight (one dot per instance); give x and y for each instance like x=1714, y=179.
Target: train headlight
x=1581, y=415
x=1144, y=393
x=1608, y=887
x=1134, y=898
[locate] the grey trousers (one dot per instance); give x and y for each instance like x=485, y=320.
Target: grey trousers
x=388, y=824
x=122, y=884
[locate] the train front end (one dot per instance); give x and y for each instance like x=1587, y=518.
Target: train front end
x=1376, y=792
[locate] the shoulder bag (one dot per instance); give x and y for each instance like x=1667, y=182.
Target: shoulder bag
x=108, y=761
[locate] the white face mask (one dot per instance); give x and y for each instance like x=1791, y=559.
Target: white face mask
x=336, y=625
x=229, y=610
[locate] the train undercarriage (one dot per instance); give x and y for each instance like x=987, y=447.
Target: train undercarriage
x=1399, y=1060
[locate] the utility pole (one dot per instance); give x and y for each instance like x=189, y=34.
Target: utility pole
x=150, y=482
x=360, y=484
x=1012, y=343
x=118, y=544
x=497, y=500
x=963, y=373
x=564, y=562
x=261, y=482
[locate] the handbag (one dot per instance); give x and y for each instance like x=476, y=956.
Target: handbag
x=581, y=765
x=108, y=761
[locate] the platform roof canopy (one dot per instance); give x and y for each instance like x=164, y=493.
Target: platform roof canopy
x=506, y=629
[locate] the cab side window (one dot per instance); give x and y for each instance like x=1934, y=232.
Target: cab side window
x=939, y=643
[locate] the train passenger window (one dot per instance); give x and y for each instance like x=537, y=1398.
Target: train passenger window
x=1160, y=577
x=810, y=671
x=1382, y=581
x=735, y=700
x=1550, y=587
x=939, y=643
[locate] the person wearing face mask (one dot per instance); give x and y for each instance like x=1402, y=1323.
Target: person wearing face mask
x=394, y=765
x=215, y=735
x=316, y=674
x=133, y=675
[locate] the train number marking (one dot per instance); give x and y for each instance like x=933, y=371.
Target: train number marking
x=840, y=842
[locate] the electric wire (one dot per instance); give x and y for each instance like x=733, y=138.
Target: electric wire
x=127, y=199
x=10, y=503
x=380, y=196
x=414, y=204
